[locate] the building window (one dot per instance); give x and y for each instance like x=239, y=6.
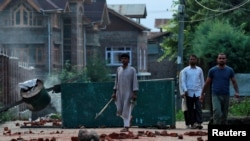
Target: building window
x=56, y=55
x=23, y=54
x=30, y=55
x=112, y=55
x=40, y=55
x=56, y=20
x=21, y=16
x=36, y=20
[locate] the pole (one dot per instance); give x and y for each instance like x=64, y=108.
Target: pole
x=180, y=51
x=49, y=45
x=180, y=37
x=48, y=13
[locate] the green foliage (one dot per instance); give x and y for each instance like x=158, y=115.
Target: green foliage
x=7, y=115
x=95, y=71
x=179, y=115
x=56, y=116
x=72, y=73
x=241, y=108
x=216, y=34
x=237, y=108
x=169, y=44
x=213, y=37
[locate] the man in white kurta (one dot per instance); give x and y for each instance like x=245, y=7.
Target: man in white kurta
x=192, y=83
x=125, y=88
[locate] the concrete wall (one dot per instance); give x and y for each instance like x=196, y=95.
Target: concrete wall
x=243, y=80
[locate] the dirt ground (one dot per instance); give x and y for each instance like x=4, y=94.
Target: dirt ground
x=16, y=131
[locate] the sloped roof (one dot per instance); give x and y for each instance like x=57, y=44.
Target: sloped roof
x=130, y=10
x=141, y=27
x=41, y=4
x=154, y=35
x=160, y=22
x=94, y=11
x=52, y=4
x=3, y=3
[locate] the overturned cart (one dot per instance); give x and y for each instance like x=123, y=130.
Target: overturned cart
x=33, y=94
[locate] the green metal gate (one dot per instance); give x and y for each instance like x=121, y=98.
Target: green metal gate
x=82, y=101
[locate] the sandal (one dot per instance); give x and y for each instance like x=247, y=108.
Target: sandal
x=124, y=129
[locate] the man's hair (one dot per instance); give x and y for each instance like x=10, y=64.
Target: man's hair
x=222, y=54
x=125, y=55
x=192, y=55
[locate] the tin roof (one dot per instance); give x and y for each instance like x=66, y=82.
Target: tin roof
x=52, y=4
x=160, y=22
x=130, y=10
x=94, y=10
x=154, y=35
x=40, y=4
x=139, y=26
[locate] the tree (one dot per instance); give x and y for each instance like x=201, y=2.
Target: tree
x=95, y=71
x=72, y=74
x=234, y=12
x=213, y=37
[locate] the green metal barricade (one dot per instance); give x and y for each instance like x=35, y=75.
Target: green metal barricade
x=81, y=102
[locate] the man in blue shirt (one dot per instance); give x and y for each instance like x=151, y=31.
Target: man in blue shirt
x=220, y=77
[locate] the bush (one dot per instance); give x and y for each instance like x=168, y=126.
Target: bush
x=179, y=115
x=6, y=116
x=240, y=108
x=56, y=116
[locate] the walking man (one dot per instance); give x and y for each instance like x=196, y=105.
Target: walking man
x=220, y=77
x=192, y=83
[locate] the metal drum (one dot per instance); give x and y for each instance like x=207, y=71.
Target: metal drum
x=36, y=98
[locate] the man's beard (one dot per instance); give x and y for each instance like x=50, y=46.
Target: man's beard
x=221, y=64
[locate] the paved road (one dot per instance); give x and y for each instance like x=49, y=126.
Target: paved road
x=15, y=131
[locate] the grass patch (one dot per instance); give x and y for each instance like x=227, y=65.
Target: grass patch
x=240, y=107
x=179, y=115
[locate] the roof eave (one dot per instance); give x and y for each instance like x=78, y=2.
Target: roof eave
x=128, y=20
